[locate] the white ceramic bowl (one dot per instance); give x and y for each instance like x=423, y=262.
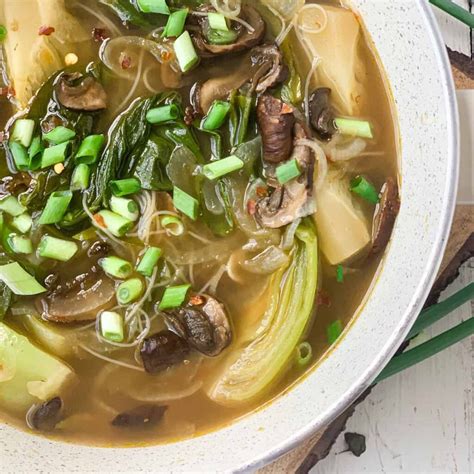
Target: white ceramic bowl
x=414, y=58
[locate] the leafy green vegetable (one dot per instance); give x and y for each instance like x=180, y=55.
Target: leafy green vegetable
x=240, y=112
x=128, y=12
x=292, y=89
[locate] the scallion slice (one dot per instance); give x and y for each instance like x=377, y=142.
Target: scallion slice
x=217, y=21
x=23, y=132
x=113, y=222
x=304, y=354
x=124, y=187
x=220, y=37
x=216, y=116
x=111, y=326
x=57, y=249
x=80, y=177
x=219, y=168
x=90, y=149
x=153, y=6
x=333, y=331
x=185, y=52
x=163, y=114
x=22, y=223
x=19, y=280
x=129, y=291
x=35, y=152
x=20, y=156
x=116, y=267
x=185, y=203
x=173, y=225
x=56, y=207
x=148, y=261
x=340, y=274
x=11, y=206
x=127, y=208
x=175, y=24
x=54, y=154
x=354, y=127
x=288, y=171
x=59, y=135
x=174, y=297
x=361, y=187
x=20, y=244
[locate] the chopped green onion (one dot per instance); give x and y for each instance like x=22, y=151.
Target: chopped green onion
x=220, y=168
x=59, y=135
x=174, y=297
x=360, y=186
x=185, y=203
x=148, y=261
x=163, y=114
x=23, y=132
x=22, y=223
x=340, y=274
x=80, y=177
x=35, y=152
x=11, y=206
x=56, y=207
x=127, y=208
x=111, y=326
x=54, y=154
x=84, y=235
x=3, y=33
x=288, y=171
x=20, y=244
x=57, y=249
x=90, y=149
x=113, y=222
x=175, y=25
x=124, y=187
x=185, y=52
x=19, y=280
x=173, y=225
x=20, y=156
x=304, y=354
x=216, y=115
x=217, y=21
x=354, y=128
x=129, y=291
x=333, y=331
x=220, y=37
x=116, y=267
x=153, y=6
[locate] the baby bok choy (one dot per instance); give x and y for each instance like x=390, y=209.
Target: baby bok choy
x=259, y=361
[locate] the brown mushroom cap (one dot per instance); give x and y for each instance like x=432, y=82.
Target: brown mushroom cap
x=78, y=92
x=321, y=113
x=269, y=57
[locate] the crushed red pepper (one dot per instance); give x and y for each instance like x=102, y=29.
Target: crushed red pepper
x=46, y=30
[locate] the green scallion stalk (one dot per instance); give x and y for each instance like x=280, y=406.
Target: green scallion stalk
x=149, y=261
x=340, y=274
x=56, y=207
x=333, y=331
x=116, y=267
x=216, y=116
x=185, y=52
x=22, y=223
x=360, y=186
x=173, y=225
x=304, y=354
x=90, y=149
x=175, y=24
x=35, y=152
x=19, y=280
x=219, y=168
x=114, y=223
x=59, y=135
x=11, y=206
x=153, y=6
x=163, y=114
x=111, y=326
x=20, y=156
x=23, y=132
x=288, y=171
x=217, y=21
x=124, y=207
x=354, y=127
x=85, y=235
x=129, y=291
x=220, y=37
x=80, y=177
x=20, y=244
x=57, y=249
x=124, y=187
x=174, y=297
x=54, y=154
x=185, y=203
x=3, y=33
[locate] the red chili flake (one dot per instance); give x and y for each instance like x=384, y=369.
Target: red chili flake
x=286, y=109
x=322, y=298
x=251, y=207
x=125, y=61
x=46, y=30
x=196, y=300
x=100, y=34
x=100, y=220
x=166, y=56
x=261, y=191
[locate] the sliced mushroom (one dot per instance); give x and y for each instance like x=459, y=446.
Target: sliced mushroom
x=322, y=114
x=246, y=39
x=204, y=324
x=277, y=71
x=80, y=299
x=78, y=92
x=385, y=215
x=140, y=417
x=162, y=350
x=16, y=184
x=46, y=416
x=276, y=121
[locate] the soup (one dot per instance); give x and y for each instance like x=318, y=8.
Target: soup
x=195, y=199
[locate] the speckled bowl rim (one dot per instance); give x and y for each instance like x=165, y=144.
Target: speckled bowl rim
x=246, y=445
